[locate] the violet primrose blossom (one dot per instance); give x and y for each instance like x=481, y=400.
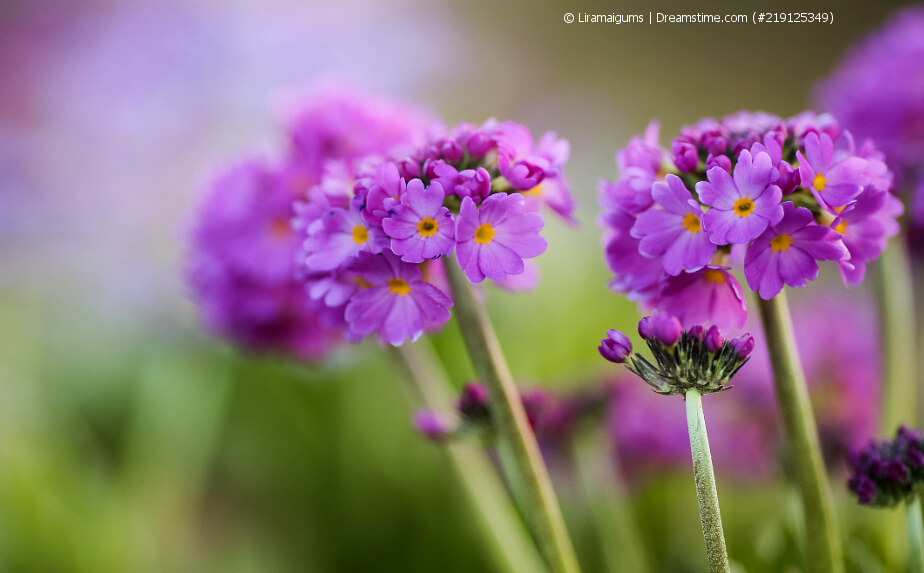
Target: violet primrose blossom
x=473, y=191
x=737, y=176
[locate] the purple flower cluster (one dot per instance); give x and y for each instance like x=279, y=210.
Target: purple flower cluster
x=888, y=472
x=241, y=263
x=695, y=359
x=781, y=195
x=878, y=92
x=375, y=241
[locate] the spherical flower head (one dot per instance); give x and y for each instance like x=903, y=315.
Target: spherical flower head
x=833, y=183
x=743, y=205
x=473, y=402
x=421, y=228
x=339, y=236
x=708, y=296
x=433, y=424
x=241, y=265
x=399, y=304
x=336, y=122
x=493, y=239
x=787, y=253
x=675, y=231
x=665, y=329
x=616, y=347
x=684, y=360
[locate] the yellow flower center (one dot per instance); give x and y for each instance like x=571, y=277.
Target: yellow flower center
x=841, y=227
x=819, y=182
x=691, y=223
x=781, y=242
x=399, y=286
x=744, y=207
x=427, y=227
x=534, y=192
x=484, y=234
x=714, y=276
x=360, y=234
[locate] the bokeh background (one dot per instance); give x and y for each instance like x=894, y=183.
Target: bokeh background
x=131, y=441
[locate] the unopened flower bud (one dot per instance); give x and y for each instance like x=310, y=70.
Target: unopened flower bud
x=615, y=347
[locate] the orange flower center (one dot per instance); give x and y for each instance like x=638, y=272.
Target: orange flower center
x=691, y=223
x=427, y=227
x=714, y=276
x=744, y=207
x=360, y=234
x=280, y=228
x=781, y=242
x=399, y=286
x=841, y=227
x=484, y=234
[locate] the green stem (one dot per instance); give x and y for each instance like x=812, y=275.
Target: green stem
x=706, y=495
x=513, y=429
x=915, y=535
x=823, y=546
x=511, y=547
x=896, y=309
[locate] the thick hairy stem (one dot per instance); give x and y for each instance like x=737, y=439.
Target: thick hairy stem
x=706, y=495
x=512, y=427
x=823, y=545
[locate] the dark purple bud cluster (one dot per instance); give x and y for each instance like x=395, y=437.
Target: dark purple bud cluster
x=698, y=358
x=888, y=472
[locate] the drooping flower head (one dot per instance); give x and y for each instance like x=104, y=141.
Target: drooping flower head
x=470, y=191
x=839, y=348
x=877, y=92
x=781, y=195
x=693, y=359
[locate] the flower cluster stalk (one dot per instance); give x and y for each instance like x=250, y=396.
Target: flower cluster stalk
x=512, y=425
x=896, y=309
x=823, y=545
x=511, y=547
x=706, y=495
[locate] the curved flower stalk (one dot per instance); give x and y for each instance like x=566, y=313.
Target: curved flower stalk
x=874, y=93
x=889, y=473
x=690, y=362
x=778, y=196
x=343, y=237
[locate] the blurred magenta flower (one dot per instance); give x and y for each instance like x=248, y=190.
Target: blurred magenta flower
x=877, y=91
x=241, y=263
